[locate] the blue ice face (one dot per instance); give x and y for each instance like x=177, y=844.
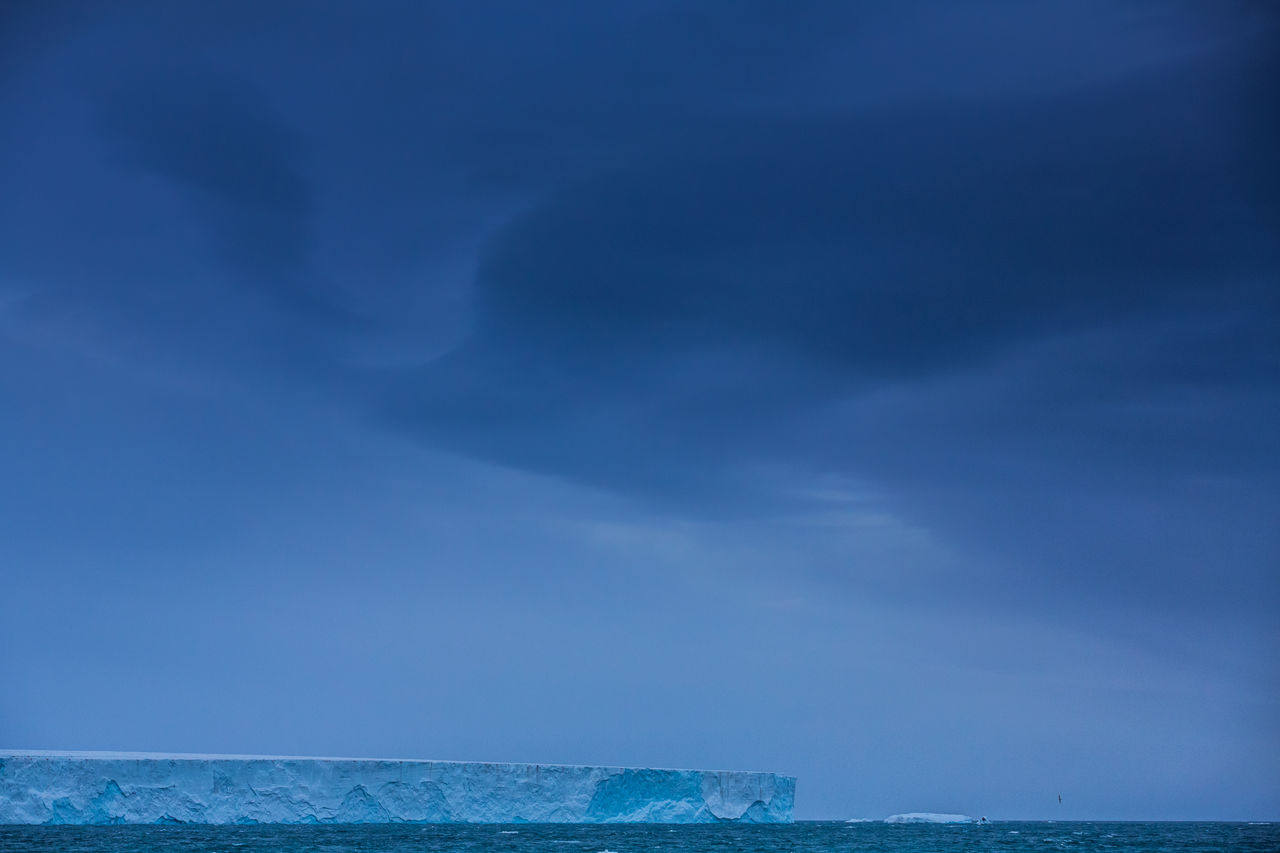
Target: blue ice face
x=105, y=788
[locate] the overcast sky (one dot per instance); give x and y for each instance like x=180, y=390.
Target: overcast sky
x=886, y=393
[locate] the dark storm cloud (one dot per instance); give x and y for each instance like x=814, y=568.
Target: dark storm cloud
x=229, y=154
x=29, y=26
x=1043, y=325
x=239, y=168
x=823, y=258
x=719, y=253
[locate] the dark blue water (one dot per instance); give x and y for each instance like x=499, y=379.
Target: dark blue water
x=808, y=837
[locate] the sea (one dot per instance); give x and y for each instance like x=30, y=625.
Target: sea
x=801, y=837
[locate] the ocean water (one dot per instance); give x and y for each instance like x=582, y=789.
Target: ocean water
x=804, y=837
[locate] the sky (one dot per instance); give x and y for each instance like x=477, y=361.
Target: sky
x=884, y=393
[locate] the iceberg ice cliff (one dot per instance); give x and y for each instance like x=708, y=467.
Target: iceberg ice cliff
x=113, y=788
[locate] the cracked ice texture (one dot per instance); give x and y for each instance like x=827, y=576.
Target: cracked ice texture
x=110, y=788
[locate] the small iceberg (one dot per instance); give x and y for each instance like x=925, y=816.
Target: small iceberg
x=860, y=820
x=929, y=817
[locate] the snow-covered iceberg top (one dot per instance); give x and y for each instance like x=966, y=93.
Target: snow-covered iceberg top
x=929, y=817
x=110, y=788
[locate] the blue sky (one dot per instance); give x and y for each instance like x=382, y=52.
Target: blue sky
x=883, y=393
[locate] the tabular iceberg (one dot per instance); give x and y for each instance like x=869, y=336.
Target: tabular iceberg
x=111, y=788
x=929, y=817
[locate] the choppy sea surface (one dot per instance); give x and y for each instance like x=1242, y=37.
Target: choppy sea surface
x=804, y=837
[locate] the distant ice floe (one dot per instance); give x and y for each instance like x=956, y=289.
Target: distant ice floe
x=929, y=817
